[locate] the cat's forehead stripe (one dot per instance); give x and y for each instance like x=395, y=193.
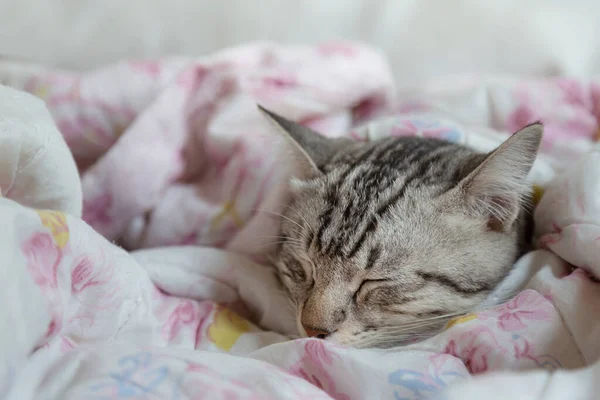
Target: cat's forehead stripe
x=358, y=179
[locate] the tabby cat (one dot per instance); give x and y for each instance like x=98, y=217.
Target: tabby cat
x=384, y=241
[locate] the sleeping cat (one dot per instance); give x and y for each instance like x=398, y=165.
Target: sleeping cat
x=385, y=241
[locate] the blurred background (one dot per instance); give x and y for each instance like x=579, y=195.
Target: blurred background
x=422, y=39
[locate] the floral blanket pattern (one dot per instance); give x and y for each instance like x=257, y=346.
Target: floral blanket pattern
x=176, y=167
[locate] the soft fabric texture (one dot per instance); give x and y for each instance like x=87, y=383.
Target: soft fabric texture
x=423, y=39
x=91, y=320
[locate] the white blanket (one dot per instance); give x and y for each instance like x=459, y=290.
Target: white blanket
x=86, y=319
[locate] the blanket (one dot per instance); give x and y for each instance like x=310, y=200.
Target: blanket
x=177, y=167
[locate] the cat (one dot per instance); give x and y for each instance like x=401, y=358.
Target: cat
x=385, y=241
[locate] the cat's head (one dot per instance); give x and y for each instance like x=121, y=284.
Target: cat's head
x=386, y=240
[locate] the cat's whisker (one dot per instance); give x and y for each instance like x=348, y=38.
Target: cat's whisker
x=280, y=215
x=301, y=216
x=435, y=319
x=284, y=239
x=378, y=340
x=272, y=243
x=440, y=320
x=428, y=322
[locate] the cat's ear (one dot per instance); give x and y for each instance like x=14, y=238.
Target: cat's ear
x=311, y=149
x=497, y=187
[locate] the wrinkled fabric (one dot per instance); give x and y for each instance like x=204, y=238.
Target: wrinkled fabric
x=176, y=162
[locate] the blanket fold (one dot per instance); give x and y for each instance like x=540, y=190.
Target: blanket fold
x=177, y=165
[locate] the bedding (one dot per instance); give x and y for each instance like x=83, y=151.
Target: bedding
x=176, y=168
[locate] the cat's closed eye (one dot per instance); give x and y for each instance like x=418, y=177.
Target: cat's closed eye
x=368, y=287
x=295, y=270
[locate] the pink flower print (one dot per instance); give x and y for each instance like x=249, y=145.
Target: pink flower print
x=270, y=87
x=66, y=344
x=199, y=380
x=522, y=348
x=579, y=125
x=528, y=306
x=312, y=368
x=424, y=128
x=53, y=328
x=283, y=81
x=578, y=273
x=150, y=68
x=322, y=380
x=521, y=116
x=556, y=228
x=96, y=210
x=81, y=273
x=411, y=107
x=192, y=77
x=317, y=351
x=43, y=257
x=338, y=48
x=86, y=274
x=443, y=362
x=572, y=91
x=367, y=108
x=184, y=314
x=551, y=238
x=476, y=348
x=189, y=239
x=205, y=310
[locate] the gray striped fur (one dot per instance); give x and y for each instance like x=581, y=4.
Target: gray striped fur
x=386, y=240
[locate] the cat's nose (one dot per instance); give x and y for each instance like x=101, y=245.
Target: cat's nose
x=313, y=332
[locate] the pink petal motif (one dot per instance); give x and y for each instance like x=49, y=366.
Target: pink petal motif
x=424, y=128
x=150, y=68
x=81, y=273
x=404, y=128
x=528, y=306
x=318, y=353
x=66, y=344
x=476, y=347
x=96, y=210
x=283, y=81
x=367, y=108
x=43, y=257
x=335, y=48
x=192, y=77
x=511, y=322
x=572, y=90
x=184, y=314
x=90, y=272
x=189, y=239
x=521, y=116
x=275, y=85
x=313, y=366
x=53, y=328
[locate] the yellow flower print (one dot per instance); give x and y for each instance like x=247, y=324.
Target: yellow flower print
x=228, y=210
x=42, y=91
x=461, y=320
x=226, y=328
x=56, y=222
x=538, y=192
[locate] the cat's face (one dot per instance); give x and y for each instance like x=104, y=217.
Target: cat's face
x=385, y=240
